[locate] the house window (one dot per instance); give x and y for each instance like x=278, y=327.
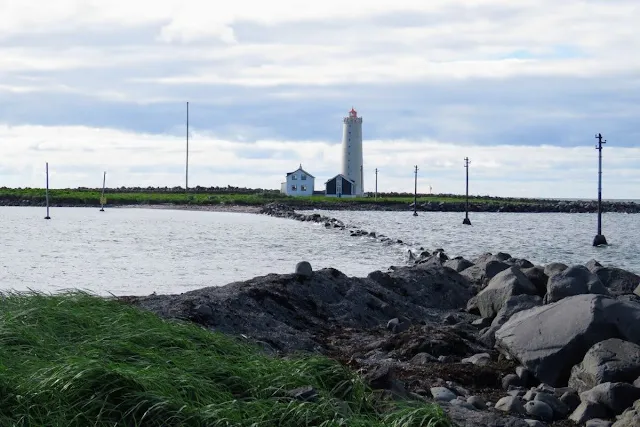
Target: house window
x=303, y=177
x=294, y=188
x=294, y=177
x=303, y=188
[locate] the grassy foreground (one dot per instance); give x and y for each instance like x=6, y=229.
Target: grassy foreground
x=91, y=197
x=79, y=360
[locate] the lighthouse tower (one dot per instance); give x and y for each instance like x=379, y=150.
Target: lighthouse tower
x=352, y=161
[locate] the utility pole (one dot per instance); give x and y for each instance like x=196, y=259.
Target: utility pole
x=599, y=239
x=186, y=178
x=415, y=193
x=376, y=194
x=466, y=220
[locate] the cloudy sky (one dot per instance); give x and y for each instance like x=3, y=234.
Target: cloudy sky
x=520, y=87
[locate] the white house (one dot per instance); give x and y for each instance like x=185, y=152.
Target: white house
x=299, y=183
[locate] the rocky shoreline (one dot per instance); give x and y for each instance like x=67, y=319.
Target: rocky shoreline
x=496, y=341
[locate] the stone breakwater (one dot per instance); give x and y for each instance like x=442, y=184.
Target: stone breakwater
x=474, y=206
x=280, y=210
x=496, y=341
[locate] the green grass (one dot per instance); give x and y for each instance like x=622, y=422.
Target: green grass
x=258, y=198
x=78, y=360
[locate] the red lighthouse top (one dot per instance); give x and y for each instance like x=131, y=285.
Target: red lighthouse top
x=353, y=113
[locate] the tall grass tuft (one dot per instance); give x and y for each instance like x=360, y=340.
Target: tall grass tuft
x=74, y=359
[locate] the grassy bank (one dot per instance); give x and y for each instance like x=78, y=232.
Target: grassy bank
x=78, y=360
x=88, y=197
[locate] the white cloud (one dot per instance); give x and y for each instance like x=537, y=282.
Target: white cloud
x=78, y=155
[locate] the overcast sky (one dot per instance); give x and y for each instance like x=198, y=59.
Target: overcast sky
x=520, y=87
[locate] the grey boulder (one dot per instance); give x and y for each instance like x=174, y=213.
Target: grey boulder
x=504, y=285
x=458, y=264
x=537, y=276
x=482, y=272
x=616, y=397
x=575, y=280
x=612, y=360
x=551, y=339
x=630, y=417
x=539, y=409
x=512, y=306
x=617, y=280
x=554, y=268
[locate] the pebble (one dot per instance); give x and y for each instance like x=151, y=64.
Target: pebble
x=539, y=409
x=442, y=394
x=477, y=402
x=510, y=404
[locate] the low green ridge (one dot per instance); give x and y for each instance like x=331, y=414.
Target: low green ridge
x=74, y=359
x=194, y=197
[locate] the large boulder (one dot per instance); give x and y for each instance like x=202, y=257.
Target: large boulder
x=617, y=280
x=504, y=285
x=612, y=360
x=537, y=276
x=616, y=397
x=512, y=306
x=551, y=339
x=458, y=264
x=630, y=417
x=481, y=273
x=554, y=268
x=575, y=280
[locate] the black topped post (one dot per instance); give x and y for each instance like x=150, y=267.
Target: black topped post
x=415, y=193
x=104, y=182
x=599, y=239
x=466, y=220
x=376, y=196
x=47, y=190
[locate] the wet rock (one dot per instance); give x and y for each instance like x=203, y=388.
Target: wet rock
x=463, y=417
x=587, y=411
x=397, y=326
x=571, y=399
x=550, y=339
x=481, y=273
x=458, y=264
x=592, y=265
x=482, y=322
x=614, y=396
x=534, y=423
x=519, y=262
x=477, y=402
x=504, y=285
x=510, y=404
x=596, y=422
x=560, y=410
x=612, y=360
x=303, y=269
x=538, y=278
x=511, y=380
x=442, y=394
x=575, y=280
x=423, y=359
x=480, y=359
x=617, y=280
x=554, y=268
x=513, y=305
x=539, y=409
x=630, y=417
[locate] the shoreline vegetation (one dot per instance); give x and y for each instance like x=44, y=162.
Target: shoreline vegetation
x=224, y=198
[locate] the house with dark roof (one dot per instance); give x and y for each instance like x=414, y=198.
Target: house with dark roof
x=340, y=186
x=298, y=183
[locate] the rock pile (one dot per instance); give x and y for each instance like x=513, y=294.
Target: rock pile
x=496, y=341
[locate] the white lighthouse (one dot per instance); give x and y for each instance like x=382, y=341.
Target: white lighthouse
x=352, y=160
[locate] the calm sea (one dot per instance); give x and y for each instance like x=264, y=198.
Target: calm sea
x=140, y=251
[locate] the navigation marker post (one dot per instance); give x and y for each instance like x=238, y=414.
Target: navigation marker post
x=103, y=200
x=415, y=193
x=47, y=190
x=466, y=220
x=599, y=239
x=376, y=196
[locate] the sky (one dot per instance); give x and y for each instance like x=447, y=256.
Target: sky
x=521, y=88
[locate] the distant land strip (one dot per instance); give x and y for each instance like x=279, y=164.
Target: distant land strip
x=235, y=196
